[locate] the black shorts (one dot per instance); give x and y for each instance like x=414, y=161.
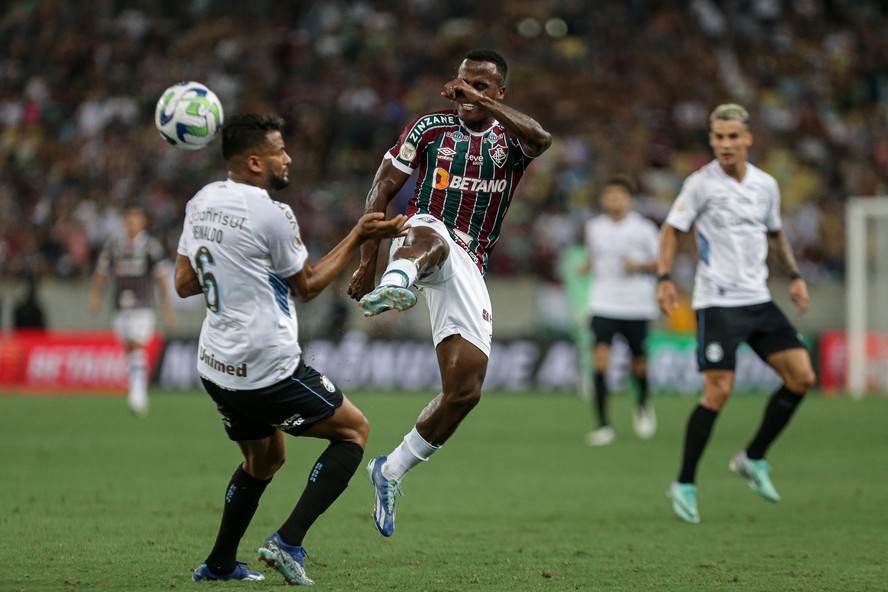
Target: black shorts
x=291, y=405
x=635, y=332
x=721, y=330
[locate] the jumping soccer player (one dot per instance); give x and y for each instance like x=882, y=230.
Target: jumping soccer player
x=469, y=161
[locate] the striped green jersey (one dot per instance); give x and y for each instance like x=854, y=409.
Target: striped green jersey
x=466, y=179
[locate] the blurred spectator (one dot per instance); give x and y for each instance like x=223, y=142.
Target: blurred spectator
x=622, y=84
x=28, y=310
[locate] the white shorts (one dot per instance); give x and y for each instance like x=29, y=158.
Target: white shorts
x=456, y=293
x=135, y=325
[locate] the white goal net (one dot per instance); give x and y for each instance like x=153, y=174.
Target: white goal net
x=866, y=284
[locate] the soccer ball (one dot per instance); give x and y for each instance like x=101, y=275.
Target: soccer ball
x=188, y=115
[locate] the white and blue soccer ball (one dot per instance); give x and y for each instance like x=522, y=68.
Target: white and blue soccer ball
x=188, y=115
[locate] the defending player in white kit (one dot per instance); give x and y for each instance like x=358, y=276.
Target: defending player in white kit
x=734, y=208
x=621, y=245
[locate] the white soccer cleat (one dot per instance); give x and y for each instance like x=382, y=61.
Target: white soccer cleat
x=601, y=437
x=644, y=421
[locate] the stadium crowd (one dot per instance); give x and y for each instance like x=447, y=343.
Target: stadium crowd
x=624, y=85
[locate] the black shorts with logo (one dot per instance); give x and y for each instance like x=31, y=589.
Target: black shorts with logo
x=291, y=405
x=635, y=332
x=720, y=330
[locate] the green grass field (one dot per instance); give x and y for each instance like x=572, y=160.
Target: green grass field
x=94, y=499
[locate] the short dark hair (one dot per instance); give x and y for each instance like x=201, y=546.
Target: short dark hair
x=622, y=180
x=488, y=55
x=132, y=204
x=243, y=133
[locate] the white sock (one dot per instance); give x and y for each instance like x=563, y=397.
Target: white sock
x=400, y=272
x=137, y=365
x=409, y=453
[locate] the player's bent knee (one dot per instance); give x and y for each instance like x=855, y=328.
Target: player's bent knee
x=264, y=466
x=715, y=399
x=802, y=382
x=361, y=432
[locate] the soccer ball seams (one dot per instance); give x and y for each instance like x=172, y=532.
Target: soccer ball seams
x=188, y=115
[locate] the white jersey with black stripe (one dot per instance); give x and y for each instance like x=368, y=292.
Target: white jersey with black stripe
x=243, y=245
x=731, y=220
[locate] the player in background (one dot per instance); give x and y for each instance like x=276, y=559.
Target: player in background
x=468, y=162
x=734, y=208
x=137, y=264
x=622, y=249
x=244, y=252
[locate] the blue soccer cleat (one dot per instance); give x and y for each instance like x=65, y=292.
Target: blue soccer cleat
x=756, y=474
x=684, y=501
x=386, y=492
x=386, y=298
x=288, y=560
x=203, y=574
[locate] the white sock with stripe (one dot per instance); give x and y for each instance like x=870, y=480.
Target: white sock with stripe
x=400, y=272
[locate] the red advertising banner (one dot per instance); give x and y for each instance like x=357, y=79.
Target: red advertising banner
x=833, y=371
x=78, y=361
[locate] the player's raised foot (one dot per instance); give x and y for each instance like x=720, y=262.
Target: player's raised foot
x=756, y=473
x=385, y=298
x=644, y=422
x=684, y=501
x=203, y=574
x=386, y=491
x=288, y=560
x=601, y=437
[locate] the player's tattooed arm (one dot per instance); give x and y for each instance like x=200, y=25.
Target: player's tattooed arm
x=783, y=250
x=798, y=289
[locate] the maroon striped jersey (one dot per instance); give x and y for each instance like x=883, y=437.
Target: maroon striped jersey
x=466, y=179
x=133, y=266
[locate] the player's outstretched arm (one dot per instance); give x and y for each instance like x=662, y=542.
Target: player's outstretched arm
x=313, y=278
x=187, y=283
x=667, y=295
x=386, y=184
x=534, y=139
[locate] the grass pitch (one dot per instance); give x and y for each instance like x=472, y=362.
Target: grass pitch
x=94, y=499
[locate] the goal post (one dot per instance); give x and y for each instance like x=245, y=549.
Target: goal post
x=866, y=280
